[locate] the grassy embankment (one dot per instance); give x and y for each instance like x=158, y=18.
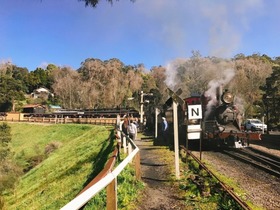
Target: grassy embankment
x=68, y=157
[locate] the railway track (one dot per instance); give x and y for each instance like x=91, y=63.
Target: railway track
x=228, y=189
x=259, y=159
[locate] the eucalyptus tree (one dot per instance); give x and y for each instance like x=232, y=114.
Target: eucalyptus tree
x=13, y=86
x=112, y=95
x=251, y=73
x=11, y=91
x=149, y=82
x=67, y=87
x=41, y=77
x=271, y=97
x=276, y=61
x=111, y=80
x=160, y=91
x=49, y=73
x=18, y=73
x=99, y=76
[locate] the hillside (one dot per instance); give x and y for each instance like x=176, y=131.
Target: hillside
x=71, y=155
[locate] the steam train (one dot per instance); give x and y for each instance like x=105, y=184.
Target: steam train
x=221, y=123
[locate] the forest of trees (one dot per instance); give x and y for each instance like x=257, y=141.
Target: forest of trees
x=253, y=79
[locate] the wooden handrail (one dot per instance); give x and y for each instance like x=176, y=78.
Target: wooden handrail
x=106, y=178
x=107, y=169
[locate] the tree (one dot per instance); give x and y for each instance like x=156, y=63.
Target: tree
x=160, y=91
x=276, y=61
x=251, y=73
x=67, y=86
x=96, y=73
x=39, y=78
x=49, y=71
x=11, y=90
x=271, y=97
x=111, y=80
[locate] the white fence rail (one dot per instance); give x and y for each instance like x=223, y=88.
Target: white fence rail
x=109, y=181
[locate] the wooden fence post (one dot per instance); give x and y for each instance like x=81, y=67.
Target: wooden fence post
x=124, y=145
x=112, y=202
x=137, y=166
x=129, y=149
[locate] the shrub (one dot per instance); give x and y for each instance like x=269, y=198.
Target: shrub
x=52, y=147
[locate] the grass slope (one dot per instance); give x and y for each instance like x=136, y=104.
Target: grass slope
x=54, y=182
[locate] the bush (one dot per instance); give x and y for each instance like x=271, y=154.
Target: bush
x=9, y=175
x=51, y=147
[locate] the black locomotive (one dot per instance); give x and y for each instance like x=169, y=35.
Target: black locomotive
x=220, y=124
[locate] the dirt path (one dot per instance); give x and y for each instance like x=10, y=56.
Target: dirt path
x=161, y=192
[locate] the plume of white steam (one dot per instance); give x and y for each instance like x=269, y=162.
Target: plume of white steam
x=171, y=71
x=239, y=103
x=225, y=78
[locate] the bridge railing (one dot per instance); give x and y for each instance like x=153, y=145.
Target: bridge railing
x=107, y=178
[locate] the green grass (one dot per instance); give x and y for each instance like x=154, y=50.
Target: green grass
x=196, y=181
x=237, y=190
x=127, y=192
x=81, y=154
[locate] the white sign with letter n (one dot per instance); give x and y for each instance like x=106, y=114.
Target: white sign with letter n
x=194, y=112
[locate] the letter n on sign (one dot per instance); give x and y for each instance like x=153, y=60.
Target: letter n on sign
x=194, y=112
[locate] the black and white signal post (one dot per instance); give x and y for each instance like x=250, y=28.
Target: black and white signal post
x=176, y=100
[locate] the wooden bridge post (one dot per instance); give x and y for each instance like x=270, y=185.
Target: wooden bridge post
x=112, y=202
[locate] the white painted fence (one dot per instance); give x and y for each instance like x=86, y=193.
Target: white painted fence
x=110, y=181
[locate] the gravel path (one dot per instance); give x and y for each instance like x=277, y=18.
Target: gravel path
x=161, y=193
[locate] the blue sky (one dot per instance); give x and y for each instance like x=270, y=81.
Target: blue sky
x=34, y=33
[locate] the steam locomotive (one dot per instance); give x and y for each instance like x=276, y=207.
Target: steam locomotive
x=220, y=124
x=222, y=121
